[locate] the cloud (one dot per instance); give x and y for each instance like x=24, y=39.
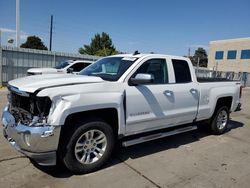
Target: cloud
x=23, y=35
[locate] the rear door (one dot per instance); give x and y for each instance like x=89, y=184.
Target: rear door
x=184, y=91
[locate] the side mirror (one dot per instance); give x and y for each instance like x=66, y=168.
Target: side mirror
x=141, y=79
x=70, y=70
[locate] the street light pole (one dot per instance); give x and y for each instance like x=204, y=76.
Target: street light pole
x=17, y=23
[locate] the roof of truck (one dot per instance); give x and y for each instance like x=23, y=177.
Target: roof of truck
x=148, y=55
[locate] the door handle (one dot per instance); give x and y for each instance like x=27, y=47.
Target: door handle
x=168, y=93
x=193, y=91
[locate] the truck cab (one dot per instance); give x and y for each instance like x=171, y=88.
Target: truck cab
x=132, y=98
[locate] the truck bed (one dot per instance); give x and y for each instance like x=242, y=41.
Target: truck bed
x=204, y=80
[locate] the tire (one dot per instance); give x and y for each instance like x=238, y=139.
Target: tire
x=219, y=123
x=89, y=146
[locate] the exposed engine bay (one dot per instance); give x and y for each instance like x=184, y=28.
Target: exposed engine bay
x=27, y=108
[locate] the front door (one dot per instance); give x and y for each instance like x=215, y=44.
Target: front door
x=148, y=106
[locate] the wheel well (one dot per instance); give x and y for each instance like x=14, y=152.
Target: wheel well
x=224, y=101
x=109, y=115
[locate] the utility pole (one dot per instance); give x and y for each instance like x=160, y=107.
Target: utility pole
x=189, y=50
x=17, y=23
x=50, y=33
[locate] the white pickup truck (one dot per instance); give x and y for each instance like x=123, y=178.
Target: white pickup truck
x=133, y=98
x=69, y=66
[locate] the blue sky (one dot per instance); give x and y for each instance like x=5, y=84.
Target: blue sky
x=161, y=26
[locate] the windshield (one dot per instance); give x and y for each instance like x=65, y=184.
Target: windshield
x=110, y=68
x=62, y=65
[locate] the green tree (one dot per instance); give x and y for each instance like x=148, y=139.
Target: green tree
x=200, y=54
x=34, y=42
x=100, y=45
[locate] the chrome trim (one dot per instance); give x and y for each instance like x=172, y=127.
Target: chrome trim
x=90, y=146
x=222, y=119
x=44, y=158
x=32, y=141
x=142, y=76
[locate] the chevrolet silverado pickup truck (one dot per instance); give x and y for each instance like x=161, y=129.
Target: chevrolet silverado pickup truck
x=130, y=98
x=69, y=66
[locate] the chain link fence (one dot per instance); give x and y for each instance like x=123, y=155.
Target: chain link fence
x=14, y=62
x=243, y=77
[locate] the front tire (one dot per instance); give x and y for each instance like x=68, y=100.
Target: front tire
x=89, y=147
x=220, y=120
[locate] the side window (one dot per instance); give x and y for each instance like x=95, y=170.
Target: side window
x=181, y=71
x=155, y=67
x=245, y=54
x=77, y=67
x=219, y=55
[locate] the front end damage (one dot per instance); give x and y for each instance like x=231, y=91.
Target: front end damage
x=26, y=127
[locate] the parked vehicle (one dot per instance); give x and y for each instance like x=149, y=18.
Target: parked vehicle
x=70, y=66
x=77, y=119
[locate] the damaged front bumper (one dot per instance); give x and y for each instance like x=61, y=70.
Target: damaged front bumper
x=38, y=143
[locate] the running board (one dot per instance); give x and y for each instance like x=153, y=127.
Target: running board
x=157, y=136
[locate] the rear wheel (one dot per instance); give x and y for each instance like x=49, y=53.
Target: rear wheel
x=220, y=120
x=89, y=147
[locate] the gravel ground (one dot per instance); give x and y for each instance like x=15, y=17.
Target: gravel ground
x=194, y=159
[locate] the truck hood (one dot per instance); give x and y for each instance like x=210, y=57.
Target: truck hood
x=44, y=70
x=32, y=83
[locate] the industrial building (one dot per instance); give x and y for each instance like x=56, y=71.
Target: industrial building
x=231, y=55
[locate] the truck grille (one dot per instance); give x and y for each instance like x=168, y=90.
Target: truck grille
x=18, y=101
x=20, y=107
x=24, y=107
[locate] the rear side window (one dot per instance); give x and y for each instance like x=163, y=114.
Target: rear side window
x=181, y=71
x=77, y=67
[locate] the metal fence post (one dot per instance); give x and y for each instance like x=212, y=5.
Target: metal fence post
x=54, y=58
x=1, y=68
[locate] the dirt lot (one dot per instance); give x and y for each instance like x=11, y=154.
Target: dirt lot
x=194, y=159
